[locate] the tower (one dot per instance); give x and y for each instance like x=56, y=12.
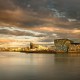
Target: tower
x=32, y=45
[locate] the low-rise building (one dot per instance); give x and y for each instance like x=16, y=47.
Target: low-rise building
x=74, y=47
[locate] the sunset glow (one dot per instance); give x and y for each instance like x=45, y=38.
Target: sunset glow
x=37, y=21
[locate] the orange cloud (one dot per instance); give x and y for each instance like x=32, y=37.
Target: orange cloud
x=6, y=40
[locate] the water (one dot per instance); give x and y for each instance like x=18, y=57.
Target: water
x=21, y=66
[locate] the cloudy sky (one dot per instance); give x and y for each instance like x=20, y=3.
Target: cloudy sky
x=39, y=20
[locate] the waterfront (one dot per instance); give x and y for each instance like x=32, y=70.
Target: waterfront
x=21, y=66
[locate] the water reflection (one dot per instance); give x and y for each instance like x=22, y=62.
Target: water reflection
x=21, y=66
x=24, y=59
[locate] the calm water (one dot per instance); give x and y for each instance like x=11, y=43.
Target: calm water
x=21, y=66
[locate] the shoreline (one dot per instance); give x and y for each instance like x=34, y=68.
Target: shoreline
x=41, y=52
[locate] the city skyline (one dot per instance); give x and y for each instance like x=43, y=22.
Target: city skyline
x=39, y=20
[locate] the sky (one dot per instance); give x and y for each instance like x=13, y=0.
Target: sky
x=39, y=20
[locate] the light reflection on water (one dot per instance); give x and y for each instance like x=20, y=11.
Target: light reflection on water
x=21, y=66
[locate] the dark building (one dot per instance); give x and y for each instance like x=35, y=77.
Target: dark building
x=32, y=46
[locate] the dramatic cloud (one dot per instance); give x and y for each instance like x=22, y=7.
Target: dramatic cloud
x=40, y=20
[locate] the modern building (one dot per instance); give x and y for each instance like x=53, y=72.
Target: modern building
x=62, y=45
